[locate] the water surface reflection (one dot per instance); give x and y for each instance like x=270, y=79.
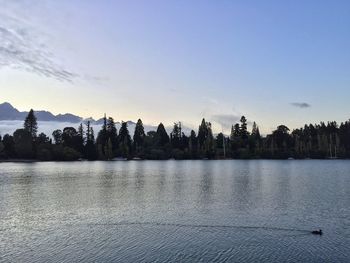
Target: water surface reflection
x=188, y=211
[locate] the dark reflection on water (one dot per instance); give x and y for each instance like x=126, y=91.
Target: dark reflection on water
x=179, y=211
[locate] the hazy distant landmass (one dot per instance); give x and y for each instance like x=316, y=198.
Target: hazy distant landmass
x=11, y=119
x=8, y=112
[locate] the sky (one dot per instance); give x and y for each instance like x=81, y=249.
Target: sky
x=276, y=62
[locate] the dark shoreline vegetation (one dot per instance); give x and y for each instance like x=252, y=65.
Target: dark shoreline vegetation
x=319, y=141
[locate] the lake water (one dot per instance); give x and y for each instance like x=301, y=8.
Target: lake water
x=177, y=211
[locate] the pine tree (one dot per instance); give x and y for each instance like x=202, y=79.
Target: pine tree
x=237, y=131
x=139, y=135
x=202, y=134
x=232, y=134
x=162, y=135
x=102, y=139
x=109, y=150
x=254, y=129
x=81, y=137
x=92, y=135
x=176, y=136
x=88, y=134
x=209, y=141
x=243, y=130
x=90, y=150
x=30, y=124
x=124, y=140
x=111, y=133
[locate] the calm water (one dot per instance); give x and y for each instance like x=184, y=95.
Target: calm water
x=179, y=211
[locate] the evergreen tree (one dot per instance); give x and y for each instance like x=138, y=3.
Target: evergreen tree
x=209, y=142
x=162, y=135
x=139, y=136
x=124, y=140
x=92, y=135
x=255, y=140
x=237, y=131
x=90, y=149
x=2, y=149
x=88, y=132
x=102, y=140
x=176, y=136
x=81, y=133
x=232, y=133
x=202, y=134
x=30, y=124
x=243, y=130
x=255, y=130
x=111, y=134
x=206, y=139
x=81, y=138
x=109, y=149
x=193, y=144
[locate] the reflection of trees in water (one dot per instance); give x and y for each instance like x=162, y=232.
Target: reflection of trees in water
x=246, y=185
x=282, y=186
x=241, y=185
x=161, y=174
x=206, y=184
x=177, y=175
x=25, y=192
x=107, y=189
x=139, y=169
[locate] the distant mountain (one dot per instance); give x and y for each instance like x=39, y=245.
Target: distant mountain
x=9, y=116
x=8, y=112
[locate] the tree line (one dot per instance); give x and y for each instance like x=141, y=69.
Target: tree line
x=312, y=141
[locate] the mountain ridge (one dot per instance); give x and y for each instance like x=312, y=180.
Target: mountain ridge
x=10, y=113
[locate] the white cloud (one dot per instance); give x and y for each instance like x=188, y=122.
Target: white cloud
x=24, y=47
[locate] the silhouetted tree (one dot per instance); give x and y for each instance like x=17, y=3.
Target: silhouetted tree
x=57, y=136
x=9, y=146
x=324, y=140
x=139, y=136
x=71, y=138
x=243, y=129
x=30, y=124
x=111, y=136
x=23, y=143
x=176, y=136
x=162, y=135
x=90, y=149
x=124, y=140
x=193, y=145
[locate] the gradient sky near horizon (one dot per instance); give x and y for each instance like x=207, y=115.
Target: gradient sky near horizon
x=273, y=61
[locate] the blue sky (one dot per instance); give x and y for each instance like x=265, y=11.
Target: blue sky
x=273, y=61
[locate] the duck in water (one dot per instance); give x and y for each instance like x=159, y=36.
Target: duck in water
x=317, y=232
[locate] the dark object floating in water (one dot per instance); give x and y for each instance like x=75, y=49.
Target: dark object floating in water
x=317, y=232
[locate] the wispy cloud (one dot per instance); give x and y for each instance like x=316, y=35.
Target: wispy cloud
x=23, y=47
x=301, y=105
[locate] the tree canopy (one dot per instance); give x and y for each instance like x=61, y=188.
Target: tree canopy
x=324, y=140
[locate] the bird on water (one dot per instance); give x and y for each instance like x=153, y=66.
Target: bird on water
x=317, y=232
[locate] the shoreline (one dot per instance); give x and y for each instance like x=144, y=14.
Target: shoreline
x=138, y=160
